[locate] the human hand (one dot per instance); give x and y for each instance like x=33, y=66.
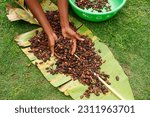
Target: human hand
x=71, y=34
x=51, y=42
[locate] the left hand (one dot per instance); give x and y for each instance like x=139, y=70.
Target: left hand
x=71, y=34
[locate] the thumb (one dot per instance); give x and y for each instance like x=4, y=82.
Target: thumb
x=51, y=43
x=55, y=37
x=74, y=46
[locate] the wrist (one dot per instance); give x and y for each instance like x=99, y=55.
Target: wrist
x=65, y=25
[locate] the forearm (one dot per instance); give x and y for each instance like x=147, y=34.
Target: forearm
x=39, y=14
x=63, y=11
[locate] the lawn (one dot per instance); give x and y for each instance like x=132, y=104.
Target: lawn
x=127, y=35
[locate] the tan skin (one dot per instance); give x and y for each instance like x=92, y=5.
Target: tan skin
x=67, y=32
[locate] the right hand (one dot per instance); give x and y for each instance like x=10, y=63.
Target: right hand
x=51, y=42
x=71, y=34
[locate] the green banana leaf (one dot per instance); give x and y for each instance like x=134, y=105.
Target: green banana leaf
x=56, y=80
x=65, y=83
x=22, y=40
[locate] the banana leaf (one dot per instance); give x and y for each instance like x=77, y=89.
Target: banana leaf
x=21, y=2
x=65, y=83
x=29, y=54
x=56, y=80
x=47, y=5
x=23, y=40
x=14, y=14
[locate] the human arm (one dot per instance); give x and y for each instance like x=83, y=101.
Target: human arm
x=39, y=14
x=66, y=29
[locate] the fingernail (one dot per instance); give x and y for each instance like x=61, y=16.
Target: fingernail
x=52, y=55
x=82, y=39
x=72, y=53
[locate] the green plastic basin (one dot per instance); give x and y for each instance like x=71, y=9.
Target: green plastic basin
x=116, y=5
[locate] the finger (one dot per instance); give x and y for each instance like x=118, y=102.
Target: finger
x=52, y=50
x=64, y=34
x=55, y=37
x=51, y=45
x=74, y=46
x=78, y=38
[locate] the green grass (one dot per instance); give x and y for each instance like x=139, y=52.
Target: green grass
x=127, y=35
